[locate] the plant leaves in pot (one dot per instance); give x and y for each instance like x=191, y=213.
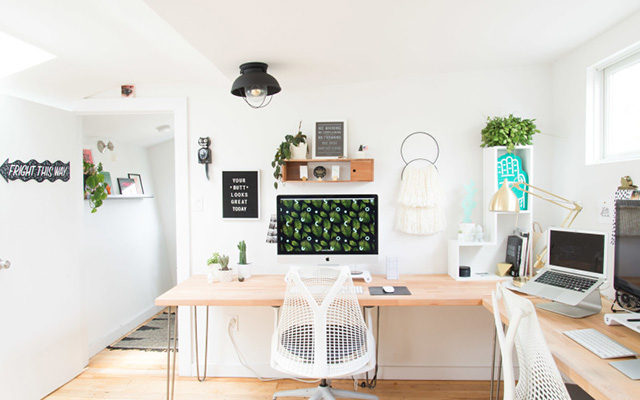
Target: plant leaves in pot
x=244, y=268
x=222, y=271
x=508, y=131
x=284, y=152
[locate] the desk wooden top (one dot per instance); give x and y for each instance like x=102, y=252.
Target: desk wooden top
x=590, y=372
x=268, y=290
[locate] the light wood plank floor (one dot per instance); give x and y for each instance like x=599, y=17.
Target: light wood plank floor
x=141, y=375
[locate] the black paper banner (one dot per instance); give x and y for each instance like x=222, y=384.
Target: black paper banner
x=35, y=170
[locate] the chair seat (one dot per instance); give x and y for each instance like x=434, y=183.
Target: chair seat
x=344, y=342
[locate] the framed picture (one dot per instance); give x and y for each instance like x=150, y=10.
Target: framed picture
x=138, y=181
x=87, y=155
x=127, y=186
x=241, y=194
x=330, y=139
x=128, y=91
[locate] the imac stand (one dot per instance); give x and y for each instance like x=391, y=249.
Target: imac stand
x=589, y=306
x=366, y=275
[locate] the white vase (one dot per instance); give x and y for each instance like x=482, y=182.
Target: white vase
x=298, y=152
x=211, y=275
x=225, y=275
x=244, y=271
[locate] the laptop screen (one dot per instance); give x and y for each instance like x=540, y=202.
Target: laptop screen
x=581, y=252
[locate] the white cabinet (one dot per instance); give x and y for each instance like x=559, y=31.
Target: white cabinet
x=482, y=257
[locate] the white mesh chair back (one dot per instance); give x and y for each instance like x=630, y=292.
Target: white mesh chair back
x=321, y=332
x=539, y=377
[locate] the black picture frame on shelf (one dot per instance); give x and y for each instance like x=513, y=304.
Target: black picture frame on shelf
x=138, y=181
x=127, y=186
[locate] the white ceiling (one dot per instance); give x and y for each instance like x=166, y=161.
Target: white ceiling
x=136, y=129
x=101, y=45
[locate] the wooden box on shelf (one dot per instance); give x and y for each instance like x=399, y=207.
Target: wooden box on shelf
x=351, y=170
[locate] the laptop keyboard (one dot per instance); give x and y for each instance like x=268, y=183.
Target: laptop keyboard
x=566, y=281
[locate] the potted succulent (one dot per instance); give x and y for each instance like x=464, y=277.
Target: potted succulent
x=222, y=271
x=95, y=188
x=508, y=131
x=244, y=268
x=293, y=147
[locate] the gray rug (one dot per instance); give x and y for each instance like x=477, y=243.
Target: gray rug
x=151, y=336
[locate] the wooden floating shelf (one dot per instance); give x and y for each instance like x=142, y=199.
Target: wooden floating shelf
x=351, y=170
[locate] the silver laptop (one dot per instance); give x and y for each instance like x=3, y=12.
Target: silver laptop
x=576, y=266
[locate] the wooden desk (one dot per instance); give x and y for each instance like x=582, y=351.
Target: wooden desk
x=268, y=290
x=592, y=374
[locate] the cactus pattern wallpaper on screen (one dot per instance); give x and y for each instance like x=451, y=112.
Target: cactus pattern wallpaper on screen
x=327, y=225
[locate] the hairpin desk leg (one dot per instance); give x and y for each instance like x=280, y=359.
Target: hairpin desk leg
x=171, y=371
x=206, y=343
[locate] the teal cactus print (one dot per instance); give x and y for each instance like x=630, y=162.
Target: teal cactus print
x=339, y=226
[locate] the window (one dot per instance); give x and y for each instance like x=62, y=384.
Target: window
x=616, y=120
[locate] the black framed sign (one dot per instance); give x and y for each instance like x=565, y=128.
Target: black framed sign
x=330, y=140
x=241, y=194
x=38, y=171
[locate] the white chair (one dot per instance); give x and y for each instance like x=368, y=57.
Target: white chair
x=539, y=377
x=321, y=332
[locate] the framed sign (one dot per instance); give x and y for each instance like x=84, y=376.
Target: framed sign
x=330, y=140
x=241, y=194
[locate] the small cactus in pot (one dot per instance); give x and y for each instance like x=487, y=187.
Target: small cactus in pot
x=244, y=268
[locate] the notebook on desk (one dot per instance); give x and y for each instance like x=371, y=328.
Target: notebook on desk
x=575, y=266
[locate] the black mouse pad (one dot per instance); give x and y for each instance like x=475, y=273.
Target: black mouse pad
x=399, y=291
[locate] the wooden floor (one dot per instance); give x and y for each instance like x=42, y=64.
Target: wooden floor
x=134, y=374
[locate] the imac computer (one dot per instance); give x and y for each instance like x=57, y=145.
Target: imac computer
x=626, y=264
x=327, y=229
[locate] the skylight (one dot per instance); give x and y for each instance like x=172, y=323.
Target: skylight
x=18, y=55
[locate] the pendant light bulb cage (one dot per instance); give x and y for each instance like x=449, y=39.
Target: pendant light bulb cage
x=255, y=85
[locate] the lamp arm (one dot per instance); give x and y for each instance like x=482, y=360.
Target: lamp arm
x=557, y=200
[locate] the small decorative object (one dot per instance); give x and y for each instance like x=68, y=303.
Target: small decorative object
x=465, y=271
x=107, y=181
x=244, y=268
x=510, y=169
x=138, y=183
x=128, y=91
x=204, y=154
x=503, y=268
x=127, y=186
x=284, y=152
x=508, y=131
x=254, y=85
x=304, y=172
x=221, y=271
x=241, y=194
x=626, y=183
x=94, y=186
x=468, y=204
x=467, y=232
x=87, y=155
x=335, y=172
x=362, y=151
x=319, y=172
x=102, y=147
x=330, y=140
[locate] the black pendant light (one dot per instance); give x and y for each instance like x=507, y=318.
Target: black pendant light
x=254, y=85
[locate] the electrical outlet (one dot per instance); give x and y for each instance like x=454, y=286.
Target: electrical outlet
x=233, y=322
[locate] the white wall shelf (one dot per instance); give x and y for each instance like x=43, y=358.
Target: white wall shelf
x=128, y=197
x=483, y=257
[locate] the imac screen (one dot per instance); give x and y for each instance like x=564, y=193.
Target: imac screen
x=627, y=247
x=327, y=224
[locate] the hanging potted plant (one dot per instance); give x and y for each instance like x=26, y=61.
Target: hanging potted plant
x=219, y=268
x=508, y=131
x=95, y=188
x=244, y=268
x=293, y=147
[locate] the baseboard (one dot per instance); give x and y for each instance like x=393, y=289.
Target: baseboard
x=385, y=372
x=101, y=343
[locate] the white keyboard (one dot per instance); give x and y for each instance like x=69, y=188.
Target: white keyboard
x=599, y=344
x=355, y=289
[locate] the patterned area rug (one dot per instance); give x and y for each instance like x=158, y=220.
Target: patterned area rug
x=151, y=336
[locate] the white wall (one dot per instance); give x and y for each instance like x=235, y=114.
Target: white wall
x=452, y=107
x=163, y=174
x=124, y=252
x=590, y=184
x=42, y=331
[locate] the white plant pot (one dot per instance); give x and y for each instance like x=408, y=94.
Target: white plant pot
x=225, y=275
x=299, y=152
x=244, y=270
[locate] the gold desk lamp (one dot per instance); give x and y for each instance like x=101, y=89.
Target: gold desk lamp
x=504, y=200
